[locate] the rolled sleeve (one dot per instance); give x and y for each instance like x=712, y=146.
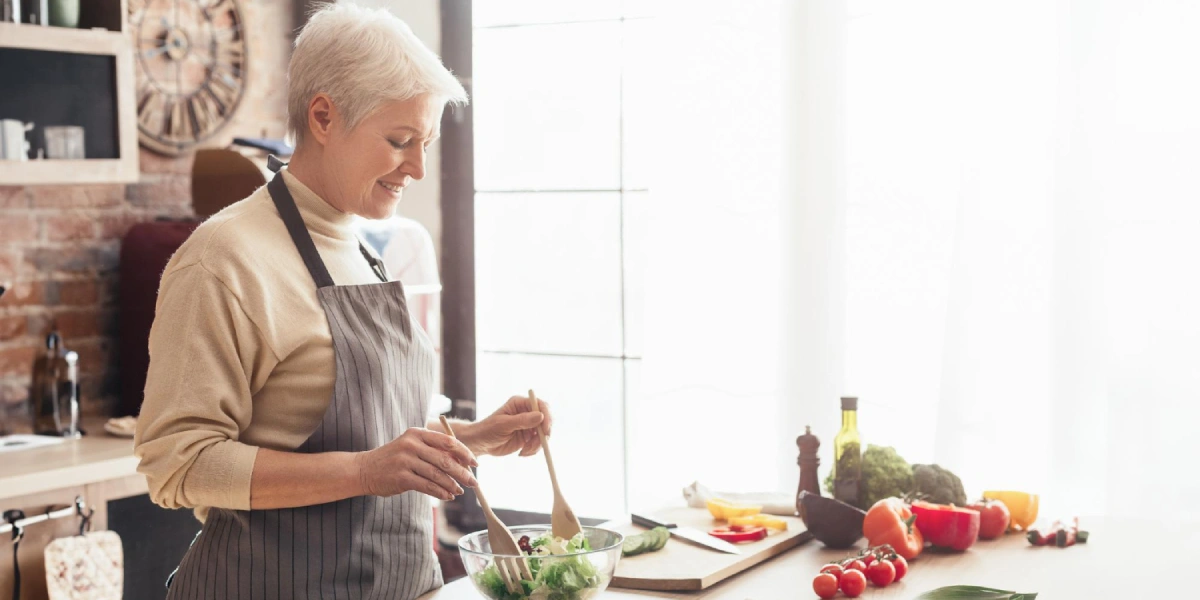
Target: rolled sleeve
x=204, y=353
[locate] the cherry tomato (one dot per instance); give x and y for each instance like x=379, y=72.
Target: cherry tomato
x=881, y=573
x=825, y=585
x=855, y=565
x=853, y=583
x=832, y=569
x=868, y=559
x=901, y=567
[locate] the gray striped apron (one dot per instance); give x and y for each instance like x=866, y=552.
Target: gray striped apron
x=365, y=547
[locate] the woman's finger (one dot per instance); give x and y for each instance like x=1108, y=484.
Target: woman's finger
x=434, y=481
x=531, y=447
x=446, y=463
x=451, y=445
x=548, y=421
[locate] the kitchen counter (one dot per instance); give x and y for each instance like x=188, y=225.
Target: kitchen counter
x=98, y=468
x=1125, y=558
x=91, y=459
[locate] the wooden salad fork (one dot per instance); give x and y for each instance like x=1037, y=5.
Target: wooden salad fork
x=563, y=523
x=512, y=570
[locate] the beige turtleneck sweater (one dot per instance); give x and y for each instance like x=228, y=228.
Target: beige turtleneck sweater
x=240, y=350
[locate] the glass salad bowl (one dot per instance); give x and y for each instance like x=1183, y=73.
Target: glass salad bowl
x=575, y=569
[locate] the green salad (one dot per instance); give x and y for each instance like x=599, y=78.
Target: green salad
x=565, y=578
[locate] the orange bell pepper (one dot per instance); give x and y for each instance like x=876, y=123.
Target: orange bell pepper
x=890, y=522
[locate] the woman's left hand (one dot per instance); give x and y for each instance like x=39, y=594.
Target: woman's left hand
x=511, y=428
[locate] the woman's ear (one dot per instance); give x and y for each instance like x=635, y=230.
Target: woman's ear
x=320, y=118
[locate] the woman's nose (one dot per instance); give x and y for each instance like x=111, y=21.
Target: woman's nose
x=414, y=166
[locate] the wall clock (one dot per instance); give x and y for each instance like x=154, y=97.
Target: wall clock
x=191, y=69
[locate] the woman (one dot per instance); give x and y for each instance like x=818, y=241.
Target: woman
x=288, y=387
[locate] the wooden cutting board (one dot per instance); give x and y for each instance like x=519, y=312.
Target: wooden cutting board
x=684, y=566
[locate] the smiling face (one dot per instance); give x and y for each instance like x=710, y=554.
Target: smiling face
x=367, y=167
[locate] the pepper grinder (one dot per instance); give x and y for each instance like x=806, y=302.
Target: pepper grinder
x=808, y=461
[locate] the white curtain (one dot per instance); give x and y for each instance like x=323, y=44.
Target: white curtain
x=996, y=252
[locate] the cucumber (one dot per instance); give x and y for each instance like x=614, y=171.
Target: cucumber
x=662, y=534
x=635, y=544
x=647, y=541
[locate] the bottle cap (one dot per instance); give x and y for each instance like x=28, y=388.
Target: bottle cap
x=849, y=403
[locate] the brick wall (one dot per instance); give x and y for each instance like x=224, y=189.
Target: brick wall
x=60, y=245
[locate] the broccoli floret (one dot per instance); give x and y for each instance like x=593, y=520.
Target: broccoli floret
x=884, y=474
x=938, y=485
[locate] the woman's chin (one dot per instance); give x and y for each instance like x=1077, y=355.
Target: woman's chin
x=382, y=205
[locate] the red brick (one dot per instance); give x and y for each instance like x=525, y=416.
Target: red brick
x=80, y=259
x=94, y=356
x=12, y=196
x=22, y=293
x=17, y=361
x=114, y=227
x=16, y=229
x=79, y=324
x=12, y=327
x=39, y=324
x=13, y=391
x=160, y=191
x=153, y=162
x=108, y=289
x=72, y=293
x=14, y=264
x=69, y=228
x=9, y=262
x=77, y=196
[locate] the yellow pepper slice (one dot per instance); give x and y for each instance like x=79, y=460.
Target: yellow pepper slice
x=1022, y=506
x=761, y=520
x=725, y=510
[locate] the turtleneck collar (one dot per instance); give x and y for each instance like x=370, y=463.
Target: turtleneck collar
x=320, y=216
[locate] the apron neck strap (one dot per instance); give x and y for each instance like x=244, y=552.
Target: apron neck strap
x=295, y=226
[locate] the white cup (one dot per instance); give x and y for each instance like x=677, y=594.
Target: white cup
x=13, y=145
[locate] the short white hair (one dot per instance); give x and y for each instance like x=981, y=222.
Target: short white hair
x=362, y=58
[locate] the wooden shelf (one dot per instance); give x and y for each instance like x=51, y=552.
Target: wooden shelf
x=62, y=39
x=101, y=42
x=43, y=172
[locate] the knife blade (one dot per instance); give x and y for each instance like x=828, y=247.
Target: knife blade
x=692, y=535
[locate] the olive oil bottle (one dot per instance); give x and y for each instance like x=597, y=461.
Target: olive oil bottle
x=847, y=455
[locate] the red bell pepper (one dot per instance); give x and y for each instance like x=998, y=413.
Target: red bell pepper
x=739, y=533
x=947, y=526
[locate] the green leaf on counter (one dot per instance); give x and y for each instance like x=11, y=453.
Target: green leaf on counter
x=974, y=592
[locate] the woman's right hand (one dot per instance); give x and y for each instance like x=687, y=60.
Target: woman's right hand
x=419, y=460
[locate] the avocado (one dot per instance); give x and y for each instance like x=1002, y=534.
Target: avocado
x=835, y=523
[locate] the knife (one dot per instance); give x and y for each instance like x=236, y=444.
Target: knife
x=692, y=535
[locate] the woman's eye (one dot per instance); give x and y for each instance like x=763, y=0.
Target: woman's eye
x=398, y=145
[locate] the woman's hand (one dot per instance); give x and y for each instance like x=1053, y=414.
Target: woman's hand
x=422, y=460
x=511, y=428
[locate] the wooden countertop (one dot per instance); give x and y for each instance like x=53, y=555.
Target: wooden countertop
x=1124, y=558
x=95, y=457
